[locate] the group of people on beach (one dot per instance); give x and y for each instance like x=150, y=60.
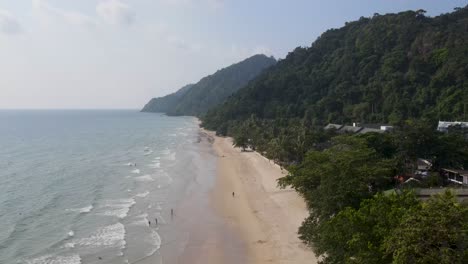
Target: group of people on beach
x=156, y=219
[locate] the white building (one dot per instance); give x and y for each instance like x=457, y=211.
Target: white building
x=444, y=125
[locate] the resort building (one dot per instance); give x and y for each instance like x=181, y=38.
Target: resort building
x=359, y=128
x=456, y=176
x=444, y=125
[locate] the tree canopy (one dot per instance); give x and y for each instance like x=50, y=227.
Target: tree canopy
x=383, y=69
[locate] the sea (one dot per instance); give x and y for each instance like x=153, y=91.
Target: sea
x=99, y=186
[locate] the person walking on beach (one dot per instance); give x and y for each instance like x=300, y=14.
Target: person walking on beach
x=233, y=194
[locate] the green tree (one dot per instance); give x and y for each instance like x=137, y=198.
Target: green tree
x=436, y=232
x=340, y=176
x=357, y=235
x=241, y=137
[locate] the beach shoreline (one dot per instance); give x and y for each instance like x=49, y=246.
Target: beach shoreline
x=197, y=234
x=247, y=197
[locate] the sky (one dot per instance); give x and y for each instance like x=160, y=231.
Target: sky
x=116, y=54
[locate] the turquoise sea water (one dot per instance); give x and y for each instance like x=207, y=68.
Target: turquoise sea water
x=81, y=186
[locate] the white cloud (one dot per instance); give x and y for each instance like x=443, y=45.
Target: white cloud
x=8, y=23
x=50, y=12
x=115, y=12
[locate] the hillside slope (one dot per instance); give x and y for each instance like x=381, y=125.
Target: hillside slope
x=163, y=104
x=211, y=90
x=387, y=68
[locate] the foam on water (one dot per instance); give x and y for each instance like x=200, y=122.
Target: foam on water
x=69, y=245
x=109, y=236
x=141, y=220
x=156, y=240
x=155, y=165
x=71, y=233
x=85, y=209
x=50, y=259
x=144, y=178
x=119, y=207
x=142, y=195
x=136, y=171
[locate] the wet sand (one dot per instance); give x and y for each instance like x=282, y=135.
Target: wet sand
x=196, y=233
x=266, y=217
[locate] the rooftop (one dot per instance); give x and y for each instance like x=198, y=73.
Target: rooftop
x=446, y=124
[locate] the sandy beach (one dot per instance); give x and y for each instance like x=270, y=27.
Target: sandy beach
x=266, y=217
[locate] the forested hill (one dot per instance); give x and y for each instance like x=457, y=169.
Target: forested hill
x=382, y=69
x=163, y=104
x=211, y=90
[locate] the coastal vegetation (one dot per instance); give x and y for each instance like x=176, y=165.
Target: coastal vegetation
x=355, y=219
x=380, y=69
x=404, y=69
x=196, y=99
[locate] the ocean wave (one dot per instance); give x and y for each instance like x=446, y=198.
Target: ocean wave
x=142, y=195
x=109, y=236
x=144, y=178
x=119, y=207
x=50, y=259
x=136, y=171
x=69, y=245
x=71, y=233
x=156, y=242
x=147, y=153
x=141, y=220
x=85, y=209
x=155, y=165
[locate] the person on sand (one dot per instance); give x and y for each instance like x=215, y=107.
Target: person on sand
x=172, y=212
x=233, y=194
x=149, y=222
x=156, y=221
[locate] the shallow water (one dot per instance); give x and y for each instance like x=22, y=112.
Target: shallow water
x=82, y=186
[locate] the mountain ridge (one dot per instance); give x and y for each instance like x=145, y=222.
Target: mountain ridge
x=211, y=90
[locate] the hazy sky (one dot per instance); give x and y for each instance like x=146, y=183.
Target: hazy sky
x=120, y=53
